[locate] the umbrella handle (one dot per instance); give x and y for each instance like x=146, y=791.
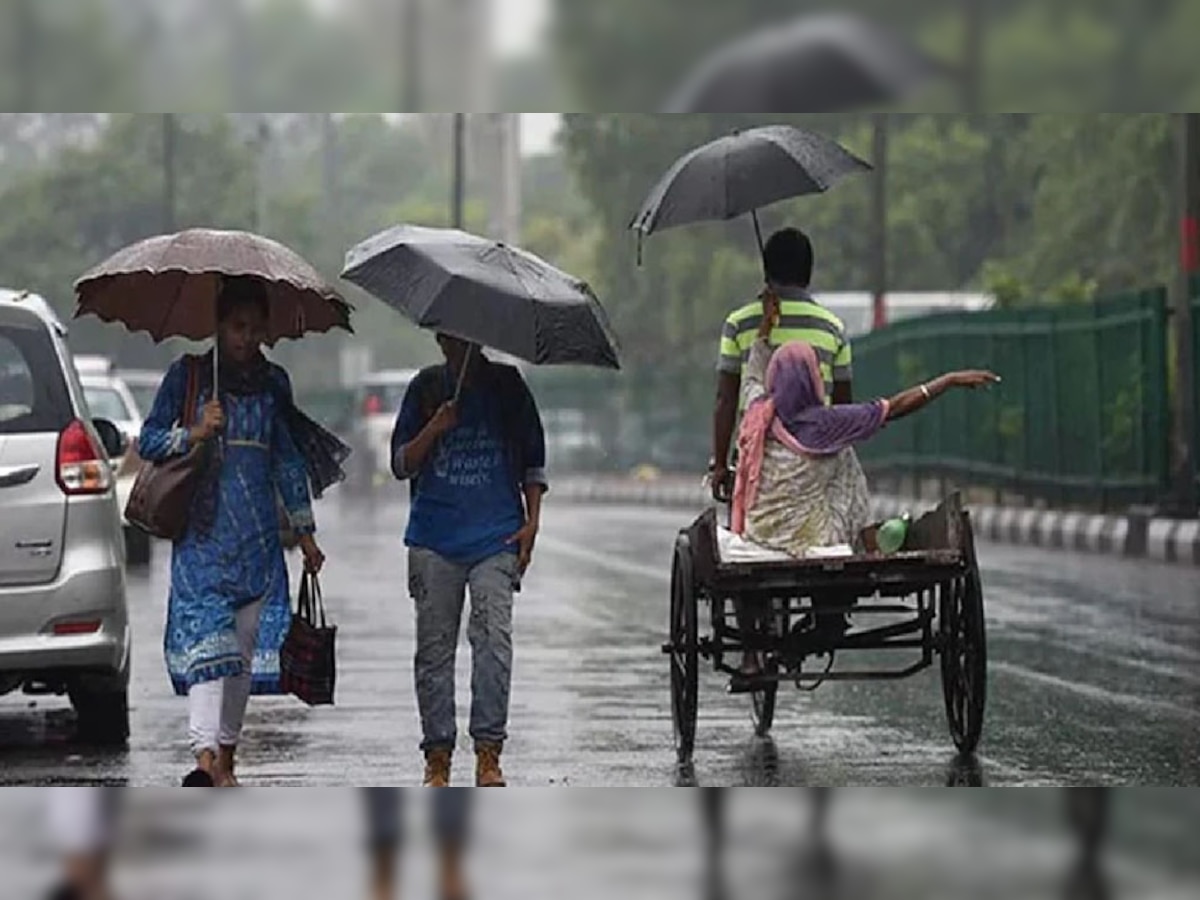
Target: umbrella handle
x=758, y=234
x=462, y=375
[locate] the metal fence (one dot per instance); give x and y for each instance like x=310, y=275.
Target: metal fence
x=1081, y=418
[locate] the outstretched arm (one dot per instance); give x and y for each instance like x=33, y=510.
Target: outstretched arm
x=914, y=399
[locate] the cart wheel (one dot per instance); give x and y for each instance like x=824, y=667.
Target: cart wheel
x=964, y=659
x=685, y=656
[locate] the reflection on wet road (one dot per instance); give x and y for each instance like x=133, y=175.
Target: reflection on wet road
x=899, y=844
x=1095, y=678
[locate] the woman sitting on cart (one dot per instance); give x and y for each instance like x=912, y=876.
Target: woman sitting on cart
x=799, y=483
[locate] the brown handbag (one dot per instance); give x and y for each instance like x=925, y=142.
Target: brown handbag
x=161, y=499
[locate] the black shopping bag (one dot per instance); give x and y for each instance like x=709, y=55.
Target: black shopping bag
x=307, y=660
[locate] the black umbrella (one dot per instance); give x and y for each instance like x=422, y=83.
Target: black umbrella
x=741, y=173
x=827, y=63
x=485, y=292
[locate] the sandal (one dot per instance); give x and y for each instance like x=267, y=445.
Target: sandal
x=202, y=775
x=199, y=778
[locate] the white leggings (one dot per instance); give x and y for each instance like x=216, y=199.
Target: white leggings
x=217, y=709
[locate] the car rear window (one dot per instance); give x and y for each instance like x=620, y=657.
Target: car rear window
x=33, y=394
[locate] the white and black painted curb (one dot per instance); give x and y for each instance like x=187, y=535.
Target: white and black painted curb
x=1133, y=536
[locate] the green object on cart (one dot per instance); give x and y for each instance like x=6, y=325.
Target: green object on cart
x=893, y=533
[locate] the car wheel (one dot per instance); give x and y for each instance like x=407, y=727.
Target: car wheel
x=102, y=710
x=138, y=547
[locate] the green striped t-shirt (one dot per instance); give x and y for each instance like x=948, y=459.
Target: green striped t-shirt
x=801, y=319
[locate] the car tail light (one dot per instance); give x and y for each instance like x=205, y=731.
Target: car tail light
x=373, y=406
x=82, y=469
x=66, y=629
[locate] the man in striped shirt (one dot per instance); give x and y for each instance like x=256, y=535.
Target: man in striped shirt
x=788, y=259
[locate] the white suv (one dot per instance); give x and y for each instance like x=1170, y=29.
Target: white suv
x=64, y=623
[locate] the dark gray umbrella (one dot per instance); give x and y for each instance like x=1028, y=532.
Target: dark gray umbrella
x=827, y=63
x=485, y=292
x=742, y=173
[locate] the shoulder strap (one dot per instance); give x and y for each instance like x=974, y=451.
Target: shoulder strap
x=432, y=391
x=193, y=391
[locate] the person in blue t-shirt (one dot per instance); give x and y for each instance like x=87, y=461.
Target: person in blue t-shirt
x=477, y=465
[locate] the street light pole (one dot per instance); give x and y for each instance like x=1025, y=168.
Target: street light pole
x=879, y=252
x=460, y=153
x=1187, y=129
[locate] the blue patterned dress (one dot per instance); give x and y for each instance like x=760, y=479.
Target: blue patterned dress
x=242, y=560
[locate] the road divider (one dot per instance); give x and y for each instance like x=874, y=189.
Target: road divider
x=1136, y=535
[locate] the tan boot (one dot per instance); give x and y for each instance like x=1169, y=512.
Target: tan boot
x=437, y=768
x=487, y=766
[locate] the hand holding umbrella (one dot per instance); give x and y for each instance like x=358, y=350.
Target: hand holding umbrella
x=168, y=286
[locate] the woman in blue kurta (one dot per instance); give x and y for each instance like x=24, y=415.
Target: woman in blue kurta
x=229, y=606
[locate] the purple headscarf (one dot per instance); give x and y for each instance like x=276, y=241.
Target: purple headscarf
x=797, y=392
x=794, y=413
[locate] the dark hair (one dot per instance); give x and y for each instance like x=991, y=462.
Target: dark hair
x=788, y=258
x=239, y=291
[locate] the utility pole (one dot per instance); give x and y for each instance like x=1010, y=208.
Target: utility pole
x=458, y=195
x=329, y=176
x=25, y=58
x=260, y=144
x=975, y=12
x=169, y=140
x=410, y=54
x=1187, y=130
x=879, y=216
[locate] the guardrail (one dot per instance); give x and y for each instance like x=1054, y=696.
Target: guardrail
x=1081, y=418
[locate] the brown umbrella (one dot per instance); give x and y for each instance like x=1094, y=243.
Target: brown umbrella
x=167, y=286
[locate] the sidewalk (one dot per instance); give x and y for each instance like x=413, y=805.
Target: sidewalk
x=1130, y=536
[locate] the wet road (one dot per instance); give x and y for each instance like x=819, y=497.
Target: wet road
x=899, y=844
x=1095, y=679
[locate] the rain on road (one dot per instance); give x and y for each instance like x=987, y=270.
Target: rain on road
x=1095, y=679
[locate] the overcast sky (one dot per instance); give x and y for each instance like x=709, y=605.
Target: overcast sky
x=519, y=25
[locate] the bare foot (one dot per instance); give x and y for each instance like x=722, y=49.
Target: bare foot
x=226, y=763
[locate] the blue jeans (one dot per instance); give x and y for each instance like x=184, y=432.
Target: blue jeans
x=438, y=589
x=385, y=816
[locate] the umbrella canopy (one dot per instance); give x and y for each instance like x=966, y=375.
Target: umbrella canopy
x=168, y=285
x=828, y=63
x=743, y=172
x=485, y=292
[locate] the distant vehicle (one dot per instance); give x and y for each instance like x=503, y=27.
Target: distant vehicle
x=143, y=384
x=94, y=365
x=109, y=397
x=857, y=310
x=571, y=445
x=378, y=399
x=64, y=623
